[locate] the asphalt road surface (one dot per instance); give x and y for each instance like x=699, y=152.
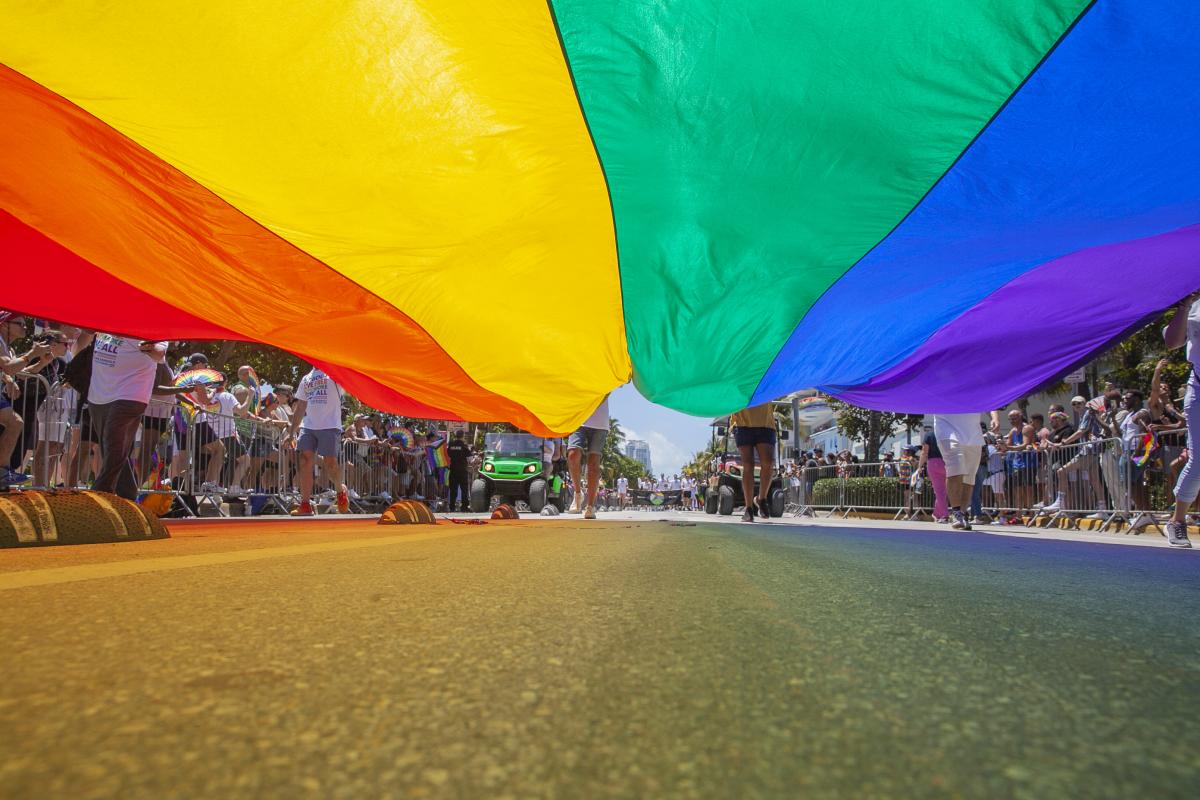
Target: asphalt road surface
x=616, y=658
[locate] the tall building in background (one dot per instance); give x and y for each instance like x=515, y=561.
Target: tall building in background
x=639, y=451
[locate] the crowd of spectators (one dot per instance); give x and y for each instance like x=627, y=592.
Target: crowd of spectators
x=1117, y=452
x=120, y=424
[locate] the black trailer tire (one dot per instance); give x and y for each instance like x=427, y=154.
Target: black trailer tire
x=480, y=496
x=725, y=501
x=778, y=502
x=538, y=490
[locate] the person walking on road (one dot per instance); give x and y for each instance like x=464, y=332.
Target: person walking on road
x=1184, y=329
x=589, y=438
x=754, y=431
x=317, y=414
x=960, y=440
x=122, y=381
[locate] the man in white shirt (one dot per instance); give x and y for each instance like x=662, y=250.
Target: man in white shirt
x=318, y=414
x=122, y=381
x=590, y=437
x=622, y=492
x=960, y=438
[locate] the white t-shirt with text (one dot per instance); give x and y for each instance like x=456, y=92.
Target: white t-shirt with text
x=120, y=371
x=324, y=398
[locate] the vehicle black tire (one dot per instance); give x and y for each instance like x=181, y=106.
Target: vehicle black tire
x=480, y=496
x=778, y=502
x=710, y=503
x=724, y=501
x=538, y=490
x=564, y=499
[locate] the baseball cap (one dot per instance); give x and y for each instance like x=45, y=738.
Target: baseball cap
x=196, y=358
x=1078, y=399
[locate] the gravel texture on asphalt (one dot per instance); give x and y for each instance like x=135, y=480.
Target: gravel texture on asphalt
x=558, y=658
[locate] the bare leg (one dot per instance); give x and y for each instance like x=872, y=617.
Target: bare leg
x=766, y=460
x=575, y=467
x=747, y=454
x=593, y=478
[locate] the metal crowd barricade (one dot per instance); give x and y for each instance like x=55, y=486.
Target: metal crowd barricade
x=1096, y=480
x=36, y=406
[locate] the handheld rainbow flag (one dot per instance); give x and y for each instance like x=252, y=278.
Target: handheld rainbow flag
x=250, y=378
x=1146, y=449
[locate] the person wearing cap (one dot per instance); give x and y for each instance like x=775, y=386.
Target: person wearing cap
x=1184, y=331
x=1092, y=427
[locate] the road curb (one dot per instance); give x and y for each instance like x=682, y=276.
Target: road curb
x=34, y=519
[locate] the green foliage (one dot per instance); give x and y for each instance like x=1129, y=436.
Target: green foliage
x=871, y=428
x=1134, y=359
x=866, y=493
x=273, y=365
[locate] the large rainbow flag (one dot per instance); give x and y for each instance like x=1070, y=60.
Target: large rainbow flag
x=915, y=206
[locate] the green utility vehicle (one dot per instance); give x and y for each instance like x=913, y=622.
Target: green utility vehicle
x=726, y=495
x=512, y=470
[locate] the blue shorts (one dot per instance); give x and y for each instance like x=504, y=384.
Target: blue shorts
x=749, y=437
x=325, y=442
x=589, y=439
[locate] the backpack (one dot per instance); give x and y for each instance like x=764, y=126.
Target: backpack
x=78, y=374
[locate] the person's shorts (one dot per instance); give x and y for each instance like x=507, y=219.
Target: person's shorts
x=261, y=447
x=962, y=460
x=1019, y=477
x=324, y=442
x=1084, y=460
x=749, y=437
x=204, y=435
x=590, y=440
x=234, y=449
x=995, y=482
x=87, y=431
x=5, y=402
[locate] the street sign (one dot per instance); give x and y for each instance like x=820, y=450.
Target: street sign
x=1078, y=376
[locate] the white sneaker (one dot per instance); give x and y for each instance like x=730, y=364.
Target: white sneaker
x=1140, y=521
x=1101, y=515
x=209, y=487
x=589, y=513
x=1056, y=505
x=237, y=491
x=1177, y=534
x=576, y=505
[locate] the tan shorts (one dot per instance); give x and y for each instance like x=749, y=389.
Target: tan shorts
x=961, y=460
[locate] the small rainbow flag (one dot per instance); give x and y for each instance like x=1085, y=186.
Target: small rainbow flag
x=256, y=389
x=441, y=457
x=1148, y=446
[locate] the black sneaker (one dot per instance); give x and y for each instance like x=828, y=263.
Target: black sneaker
x=764, y=508
x=748, y=514
x=1177, y=534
